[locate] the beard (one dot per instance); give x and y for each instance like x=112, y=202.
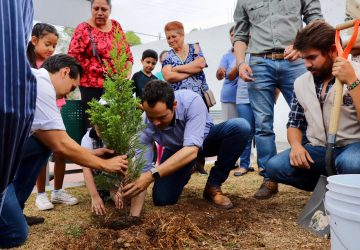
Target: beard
x=323, y=72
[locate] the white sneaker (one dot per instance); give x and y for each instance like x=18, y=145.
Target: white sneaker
x=61, y=196
x=42, y=202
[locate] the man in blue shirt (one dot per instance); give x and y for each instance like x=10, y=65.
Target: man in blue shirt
x=180, y=121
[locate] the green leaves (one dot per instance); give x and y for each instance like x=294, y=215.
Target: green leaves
x=120, y=121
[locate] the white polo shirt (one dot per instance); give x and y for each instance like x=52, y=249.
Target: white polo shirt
x=47, y=114
x=86, y=141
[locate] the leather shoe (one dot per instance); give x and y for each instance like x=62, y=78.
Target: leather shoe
x=266, y=190
x=33, y=220
x=216, y=196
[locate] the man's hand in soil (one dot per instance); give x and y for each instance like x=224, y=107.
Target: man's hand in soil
x=139, y=185
x=118, y=164
x=299, y=157
x=97, y=206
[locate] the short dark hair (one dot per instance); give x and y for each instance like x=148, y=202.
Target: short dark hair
x=158, y=91
x=317, y=35
x=108, y=2
x=56, y=62
x=149, y=53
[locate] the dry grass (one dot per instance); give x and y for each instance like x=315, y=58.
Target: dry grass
x=193, y=223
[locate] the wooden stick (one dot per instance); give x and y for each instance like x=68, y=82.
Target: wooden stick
x=335, y=111
x=345, y=25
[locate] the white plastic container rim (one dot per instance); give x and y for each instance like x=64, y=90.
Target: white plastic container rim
x=348, y=184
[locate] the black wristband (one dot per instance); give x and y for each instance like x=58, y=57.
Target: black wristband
x=155, y=174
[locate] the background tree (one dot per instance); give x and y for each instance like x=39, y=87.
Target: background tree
x=132, y=38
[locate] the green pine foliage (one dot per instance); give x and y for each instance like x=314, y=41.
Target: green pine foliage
x=120, y=121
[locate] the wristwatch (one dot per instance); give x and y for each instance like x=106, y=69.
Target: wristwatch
x=155, y=174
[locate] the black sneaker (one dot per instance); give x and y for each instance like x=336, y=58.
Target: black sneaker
x=199, y=166
x=33, y=220
x=200, y=170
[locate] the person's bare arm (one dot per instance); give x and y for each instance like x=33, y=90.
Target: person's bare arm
x=291, y=54
x=234, y=72
x=245, y=71
x=97, y=205
x=355, y=95
x=239, y=50
x=171, y=165
x=299, y=157
x=129, y=66
x=191, y=68
x=344, y=71
x=220, y=73
x=60, y=143
x=172, y=76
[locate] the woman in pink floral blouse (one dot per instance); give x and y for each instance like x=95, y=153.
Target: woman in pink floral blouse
x=90, y=45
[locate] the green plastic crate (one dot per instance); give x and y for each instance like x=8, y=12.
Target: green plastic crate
x=72, y=116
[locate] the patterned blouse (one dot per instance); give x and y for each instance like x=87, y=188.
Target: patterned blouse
x=196, y=82
x=81, y=48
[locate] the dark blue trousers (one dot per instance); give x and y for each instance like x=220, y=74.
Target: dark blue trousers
x=227, y=140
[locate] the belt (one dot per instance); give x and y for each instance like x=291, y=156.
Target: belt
x=271, y=55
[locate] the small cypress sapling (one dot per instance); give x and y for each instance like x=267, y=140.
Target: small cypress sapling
x=120, y=120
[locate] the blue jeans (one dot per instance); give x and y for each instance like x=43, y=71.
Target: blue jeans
x=269, y=74
x=347, y=161
x=227, y=140
x=13, y=227
x=245, y=111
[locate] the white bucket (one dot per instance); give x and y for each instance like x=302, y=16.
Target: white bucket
x=345, y=202
x=342, y=203
x=348, y=184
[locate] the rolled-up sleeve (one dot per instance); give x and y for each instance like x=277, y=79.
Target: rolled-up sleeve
x=195, y=123
x=296, y=115
x=311, y=11
x=242, y=24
